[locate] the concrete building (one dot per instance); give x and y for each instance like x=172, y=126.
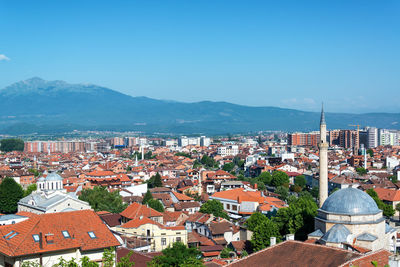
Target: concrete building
x=231, y=150
x=372, y=137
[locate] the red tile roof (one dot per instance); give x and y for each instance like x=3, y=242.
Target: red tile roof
x=51, y=225
x=135, y=210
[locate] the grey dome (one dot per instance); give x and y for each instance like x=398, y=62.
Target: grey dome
x=337, y=234
x=53, y=177
x=41, y=179
x=350, y=201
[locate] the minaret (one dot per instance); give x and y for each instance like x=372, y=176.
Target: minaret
x=323, y=161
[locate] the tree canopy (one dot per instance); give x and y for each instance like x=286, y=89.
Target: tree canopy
x=298, y=218
x=156, y=204
x=100, y=199
x=10, y=193
x=280, y=178
x=387, y=209
x=30, y=189
x=283, y=192
x=11, y=144
x=262, y=234
x=155, y=181
x=361, y=171
x=214, y=207
x=300, y=181
x=178, y=256
x=147, y=197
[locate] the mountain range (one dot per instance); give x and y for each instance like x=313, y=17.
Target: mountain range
x=39, y=106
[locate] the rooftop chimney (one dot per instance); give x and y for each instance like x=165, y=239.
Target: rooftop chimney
x=272, y=241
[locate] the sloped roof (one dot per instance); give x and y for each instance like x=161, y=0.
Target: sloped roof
x=297, y=254
x=77, y=223
x=135, y=210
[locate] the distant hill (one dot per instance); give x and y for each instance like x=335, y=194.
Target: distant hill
x=39, y=106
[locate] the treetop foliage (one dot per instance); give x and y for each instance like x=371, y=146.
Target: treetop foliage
x=11, y=144
x=100, y=199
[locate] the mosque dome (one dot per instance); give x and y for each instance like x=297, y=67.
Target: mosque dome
x=41, y=179
x=350, y=201
x=53, y=177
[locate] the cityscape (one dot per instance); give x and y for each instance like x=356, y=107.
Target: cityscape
x=235, y=134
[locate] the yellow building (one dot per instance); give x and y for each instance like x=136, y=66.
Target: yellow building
x=159, y=236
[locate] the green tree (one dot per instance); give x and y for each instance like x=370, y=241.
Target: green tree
x=214, y=207
x=393, y=178
x=186, y=155
x=108, y=257
x=10, y=194
x=31, y=188
x=261, y=186
x=361, y=171
x=11, y=144
x=178, y=256
x=156, y=204
x=315, y=192
x=225, y=253
x=255, y=220
x=266, y=178
x=100, y=199
x=228, y=166
x=155, y=181
x=86, y=262
x=279, y=178
x=300, y=181
x=398, y=207
x=387, y=209
x=298, y=218
x=147, y=197
x=208, y=162
x=126, y=261
x=283, y=192
x=262, y=234
x=370, y=152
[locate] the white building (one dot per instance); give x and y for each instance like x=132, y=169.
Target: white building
x=44, y=239
x=372, y=137
x=231, y=150
x=51, y=197
x=205, y=141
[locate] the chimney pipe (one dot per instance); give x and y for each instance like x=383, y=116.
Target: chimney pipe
x=272, y=241
x=40, y=240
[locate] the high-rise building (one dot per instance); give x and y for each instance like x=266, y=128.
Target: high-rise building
x=372, y=137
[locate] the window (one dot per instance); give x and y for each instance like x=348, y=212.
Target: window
x=178, y=239
x=10, y=235
x=163, y=233
x=92, y=235
x=163, y=241
x=36, y=238
x=66, y=234
x=228, y=206
x=234, y=207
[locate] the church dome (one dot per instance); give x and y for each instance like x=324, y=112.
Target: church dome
x=350, y=201
x=53, y=177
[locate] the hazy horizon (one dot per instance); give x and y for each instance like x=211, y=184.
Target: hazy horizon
x=290, y=55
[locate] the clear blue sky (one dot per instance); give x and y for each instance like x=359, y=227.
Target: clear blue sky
x=277, y=53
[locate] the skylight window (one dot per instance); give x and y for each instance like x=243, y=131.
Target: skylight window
x=66, y=234
x=92, y=235
x=36, y=238
x=7, y=235
x=10, y=235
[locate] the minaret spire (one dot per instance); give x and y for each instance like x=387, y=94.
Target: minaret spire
x=322, y=121
x=323, y=161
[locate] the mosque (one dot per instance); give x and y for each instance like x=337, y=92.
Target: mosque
x=51, y=197
x=349, y=218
